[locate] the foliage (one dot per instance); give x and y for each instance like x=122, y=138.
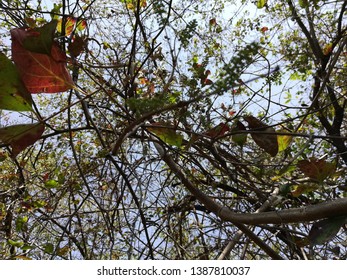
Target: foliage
x=166, y=129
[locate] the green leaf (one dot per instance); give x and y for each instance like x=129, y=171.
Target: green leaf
x=56, y=10
x=40, y=40
x=303, y=3
x=27, y=247
x=52, y=184
x=239, y=138
x=20, y=222
x=324, y=230
x=16, y=243
x=167, y=134
x=21, y=136
x=295, y=76
x=13, y=93
x=39, y=203
x=49, y=248
x=61, y=178
x=261, y=4
x=284, y=189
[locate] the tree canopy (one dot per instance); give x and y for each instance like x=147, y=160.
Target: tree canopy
x=166, y=129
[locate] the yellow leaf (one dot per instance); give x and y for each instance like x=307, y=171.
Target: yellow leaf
x=283, y=141
x=130, y=6
x=261, y=4
x=327, y=49
x=22, y=257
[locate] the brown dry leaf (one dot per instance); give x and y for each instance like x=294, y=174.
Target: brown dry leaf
x=303, y=189
x=263, y=135
x=316, y=169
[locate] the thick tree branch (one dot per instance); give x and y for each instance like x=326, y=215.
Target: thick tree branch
x=323, y=210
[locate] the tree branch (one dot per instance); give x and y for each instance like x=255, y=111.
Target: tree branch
x=323, y=210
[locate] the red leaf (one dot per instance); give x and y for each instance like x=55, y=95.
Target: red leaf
x=21, y=136
x=69, y=25
x=217, y=131
x=77, y=46
x=208, y=82
x=264, y=29
x=81, y=25
x=213, y=21
x=40, y=72
x=232, y=113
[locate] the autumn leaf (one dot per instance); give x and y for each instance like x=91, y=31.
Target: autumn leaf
x=22, y=257
x=77, y=46
x=264, y=29
x=217, y=131
x=40, y=72
x=61, y=252
x=207, y=82
x=324, y=230
x=283, y=140
x=202, y=74
x=70, y=25
x=213, y=21
x=303, y=189
x=21, y=136
x=316, y=169
x=131, y=4
x=29, y=21
x=167, y=134
x=13, y=94
x=239, y=138
x=266, y=140
x=327, y=49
